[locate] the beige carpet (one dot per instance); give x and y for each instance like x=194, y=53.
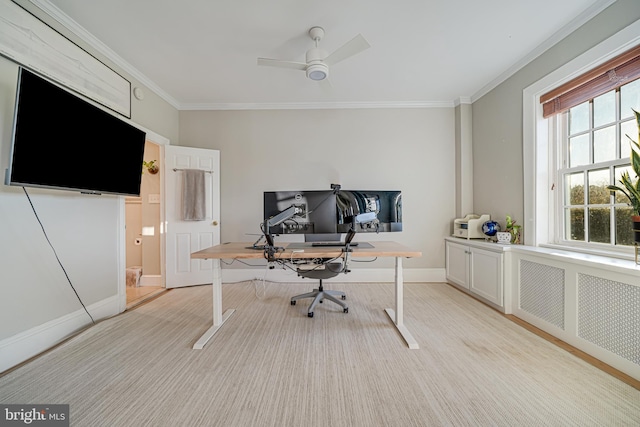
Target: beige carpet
x=270, y=365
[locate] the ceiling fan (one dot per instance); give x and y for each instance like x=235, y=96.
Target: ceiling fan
x=318, y=62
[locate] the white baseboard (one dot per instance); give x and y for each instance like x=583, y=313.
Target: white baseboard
x=370, y=275
x=151, y=280
x=18, y=348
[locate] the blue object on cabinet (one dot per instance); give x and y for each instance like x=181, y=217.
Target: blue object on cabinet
x=490, y=228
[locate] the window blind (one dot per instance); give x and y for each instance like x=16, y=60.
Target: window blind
x=612, y=74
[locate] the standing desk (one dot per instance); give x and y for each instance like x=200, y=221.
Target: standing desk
x=236, y=250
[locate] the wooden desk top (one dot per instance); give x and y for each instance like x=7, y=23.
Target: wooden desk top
x=239, y=250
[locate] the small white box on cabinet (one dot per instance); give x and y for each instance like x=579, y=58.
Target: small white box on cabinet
x=470, y=227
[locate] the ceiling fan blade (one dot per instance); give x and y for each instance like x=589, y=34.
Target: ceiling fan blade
x=325, y=86
x=282, y=64
x=353, y=47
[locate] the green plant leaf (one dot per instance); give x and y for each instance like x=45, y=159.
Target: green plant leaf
x=630, y=188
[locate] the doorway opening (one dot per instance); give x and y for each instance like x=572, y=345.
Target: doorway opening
x=144, y=278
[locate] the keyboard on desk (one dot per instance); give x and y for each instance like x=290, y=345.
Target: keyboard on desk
x=335, y=244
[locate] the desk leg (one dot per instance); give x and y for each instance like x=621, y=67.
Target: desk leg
x=218, y=317
x=397, y=317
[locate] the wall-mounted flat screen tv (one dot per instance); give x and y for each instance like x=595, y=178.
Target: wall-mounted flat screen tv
x=61, y=141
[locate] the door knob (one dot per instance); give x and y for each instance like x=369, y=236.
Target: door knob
x=215, y=223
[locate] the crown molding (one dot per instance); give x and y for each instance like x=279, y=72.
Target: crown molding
x=462, y=100
x=576, y=23
x=314, y=105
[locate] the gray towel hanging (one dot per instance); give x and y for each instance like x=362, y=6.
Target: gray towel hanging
x=193, y=195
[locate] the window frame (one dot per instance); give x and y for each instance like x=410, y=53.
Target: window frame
x=539, y=218
x=560, y=137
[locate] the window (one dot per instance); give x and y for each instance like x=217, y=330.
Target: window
x=578, y=147
x=543, y=139
x=593, y=152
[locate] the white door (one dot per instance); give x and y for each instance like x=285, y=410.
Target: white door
x=184, y=237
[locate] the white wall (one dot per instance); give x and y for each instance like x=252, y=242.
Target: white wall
x=141, y=212
x=497, y=116
x=407, y=149
x=38, y=308
x=151, y=257
x=83, y=230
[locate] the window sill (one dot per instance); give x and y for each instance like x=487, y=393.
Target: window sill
x=625, y=254
x=622, y=262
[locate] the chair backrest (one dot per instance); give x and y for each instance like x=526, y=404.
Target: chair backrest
x=330, y=269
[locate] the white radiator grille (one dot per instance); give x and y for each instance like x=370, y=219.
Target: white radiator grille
x=609, y=315
x=542, y=292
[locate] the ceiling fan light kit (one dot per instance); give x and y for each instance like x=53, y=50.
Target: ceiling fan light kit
x=317, y=62
x=317, y=72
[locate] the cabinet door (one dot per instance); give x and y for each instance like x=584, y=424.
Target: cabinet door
x=457, y=263
x=485, y=273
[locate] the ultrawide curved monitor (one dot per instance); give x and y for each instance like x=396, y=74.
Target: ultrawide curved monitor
x=331, y=212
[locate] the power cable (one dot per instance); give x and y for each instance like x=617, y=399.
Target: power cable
x=56, y=255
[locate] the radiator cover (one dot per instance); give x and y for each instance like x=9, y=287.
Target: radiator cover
x=609, y=315
x=542, y=292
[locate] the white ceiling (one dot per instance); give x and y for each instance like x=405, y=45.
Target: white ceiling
x=201, y=54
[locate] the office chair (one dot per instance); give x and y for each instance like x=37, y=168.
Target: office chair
x=323, y=268
x=320, y=271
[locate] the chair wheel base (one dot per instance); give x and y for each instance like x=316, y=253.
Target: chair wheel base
x=319, y=295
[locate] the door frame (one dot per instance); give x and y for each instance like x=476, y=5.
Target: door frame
x=161, y=141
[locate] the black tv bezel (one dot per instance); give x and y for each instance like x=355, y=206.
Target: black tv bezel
x=93, y=187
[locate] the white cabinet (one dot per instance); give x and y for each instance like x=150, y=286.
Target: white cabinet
x=457, y=264
x=477, y=268
x=485, y=275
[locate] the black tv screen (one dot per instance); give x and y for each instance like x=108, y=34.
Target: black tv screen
x=63, y=142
